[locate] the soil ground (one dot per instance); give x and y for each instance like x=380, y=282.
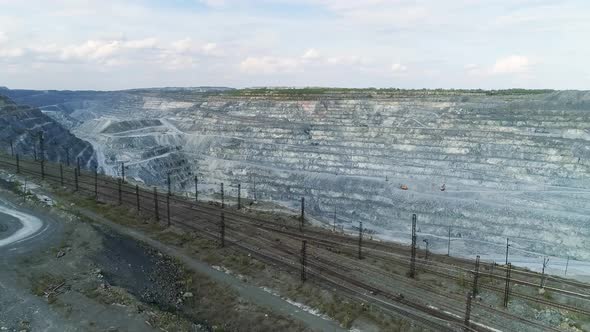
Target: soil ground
x=85, y=276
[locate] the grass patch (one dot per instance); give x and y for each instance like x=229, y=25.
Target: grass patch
x=44, y=284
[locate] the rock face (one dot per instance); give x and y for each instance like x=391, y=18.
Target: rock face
x=513, y=163
x=22, y=125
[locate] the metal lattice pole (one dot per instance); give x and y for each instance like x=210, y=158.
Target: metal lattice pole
x=449, y=243
x=361, y=240
x=67, y=157
x=196, y=189
x=239, y=196
x=76, y=172
x=123, y=172
x=413, y=258
x=302, y=216
x=334, y=228
x=137, y=197
x=254, y=182
x=156, y=211
x=507, y=287
x=475, y=276
x=545, y=262
x=427, y=246
x=95, y=182
x=61, y=174
x=303, y=260
x=222, y=197
x=42, y=150
x=468, y=311
x=222, y=230
x=507, y=246
x=168, y=209
x=119, y=183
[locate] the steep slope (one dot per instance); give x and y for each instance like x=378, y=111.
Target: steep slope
x=21, y=126
x=513, y=163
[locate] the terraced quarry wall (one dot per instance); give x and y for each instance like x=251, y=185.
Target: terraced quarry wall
x=21, y=125
x=513, y=165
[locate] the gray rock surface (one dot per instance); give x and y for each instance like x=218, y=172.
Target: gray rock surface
x=21, y=126
x=514, y=164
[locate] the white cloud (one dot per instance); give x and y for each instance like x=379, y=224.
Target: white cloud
x=269, y=65
x=514, y=64
x=311, y=58
x=348, y=60
x=211, y=49
x=473, y=69
x=398, y=68
x=311, y=54
x=188, y=46
x=7, y=51
x=91, y=50
x=357, y=43
x=213, y=3
x=142, y=43
x=11, y=52
x=511, y=65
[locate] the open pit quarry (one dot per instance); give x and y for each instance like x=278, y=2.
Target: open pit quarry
x=477, y=167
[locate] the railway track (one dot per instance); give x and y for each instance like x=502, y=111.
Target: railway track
x=326, y=270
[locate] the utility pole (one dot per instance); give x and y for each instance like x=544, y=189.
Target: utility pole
x=17, y=164
x=222, y=197
x=168, y=209
x=507, y=246
x=61, y=174
x=196, y=188
x=239, y=196
x=334, y=219
x=302, y=217
x=303, y=260
x=413, y=259
x=492, y=272
x=95, y=182
x=11, y=149
x=449, y=243
x=67, y=156
x=507, y=287
x=475, y=276
x=222, y=230
x=157, y=213
x=76, y=178
x=42, y=150
x=426, y=253
x=361, y=240
x=566, y=263
x=255, y=200
x=25, y=191
x=78, y=164
x=119, y=182
x=545, y=262
x=169, y=184
x=35, y=152
x=42, y=145
x=468, y=311
x=137, y=196
x=123, y=172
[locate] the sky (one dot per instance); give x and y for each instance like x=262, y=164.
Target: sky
x=111, y=45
